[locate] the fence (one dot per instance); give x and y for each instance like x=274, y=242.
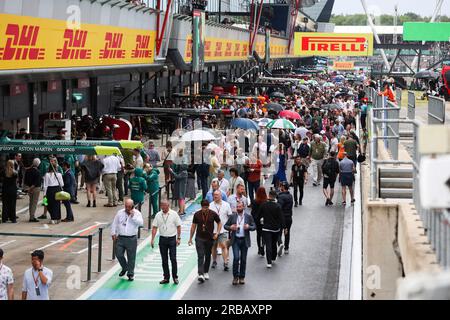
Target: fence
x=436, y=110
x=436, y=223
x=89, y=238
x=398, y=96
x=391, y=130
x=411, y=105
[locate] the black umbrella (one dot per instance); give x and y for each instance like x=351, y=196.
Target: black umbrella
x=426, y=74
x=278, y=95
x=274, y=107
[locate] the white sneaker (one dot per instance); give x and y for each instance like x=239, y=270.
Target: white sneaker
x=269, y=265
x=206, y=276
x=201, y=278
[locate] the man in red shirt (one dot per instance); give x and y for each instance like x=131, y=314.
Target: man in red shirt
x=254, y=175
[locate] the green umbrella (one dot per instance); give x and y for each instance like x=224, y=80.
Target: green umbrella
x=281, y=124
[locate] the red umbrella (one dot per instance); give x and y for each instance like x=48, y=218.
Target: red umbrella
x=289, y=114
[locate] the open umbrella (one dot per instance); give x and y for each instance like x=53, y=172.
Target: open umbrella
x=278, y=95
x=328, y=85
x=289, y=114
x=197, y=135
x=426, y=74
x=244, y=123
x=263, y=122
x=281, y=124
x=303, y=87
x=331, y=106
x=274, y=107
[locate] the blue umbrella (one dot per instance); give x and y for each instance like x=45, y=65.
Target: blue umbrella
x=244, y=123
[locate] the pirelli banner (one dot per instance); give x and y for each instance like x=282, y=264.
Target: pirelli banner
x=333, y=44
x=343, y=65
x=36, y=43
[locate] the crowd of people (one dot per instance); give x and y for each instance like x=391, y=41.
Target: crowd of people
x=230, y=172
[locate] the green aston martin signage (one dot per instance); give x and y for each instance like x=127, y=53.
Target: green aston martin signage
x=426, y=31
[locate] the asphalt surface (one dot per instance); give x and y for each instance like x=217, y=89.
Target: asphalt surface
x=310, y=271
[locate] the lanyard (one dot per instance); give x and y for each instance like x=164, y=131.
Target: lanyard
x=205, y=220
x=165, y=220
x=239, y=221
x=218, y=209
x=36, y=280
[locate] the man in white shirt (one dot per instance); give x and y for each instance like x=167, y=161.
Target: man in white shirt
x=224, y=184
x=37, y=279
x=6, y=281
x=169, y=224
x=137, y=159
x=111, y=165
x=223, y=210
x=124, y=231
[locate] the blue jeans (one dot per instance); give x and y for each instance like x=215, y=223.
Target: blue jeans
x=239, y=257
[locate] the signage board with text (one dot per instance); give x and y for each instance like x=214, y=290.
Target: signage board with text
x=333, y=44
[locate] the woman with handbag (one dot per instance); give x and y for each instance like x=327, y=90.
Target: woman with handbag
x=53, y=183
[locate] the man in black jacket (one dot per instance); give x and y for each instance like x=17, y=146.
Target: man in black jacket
x=330, y=169
x=32, y=183
x=240, y=224
x=303, y=152
x=69, y=186
x=271, y=218
x=286, y=202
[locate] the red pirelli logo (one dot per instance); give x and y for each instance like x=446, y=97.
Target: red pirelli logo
x=21, y=43
x=334, y=44
x=74, y=46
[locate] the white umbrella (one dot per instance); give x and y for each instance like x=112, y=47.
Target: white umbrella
x=281, y=124
x=197, y=135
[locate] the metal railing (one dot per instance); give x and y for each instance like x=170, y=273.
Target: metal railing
x=436, y=110
x=411, y=105
x=436, y=224
x=375, y=161
x=398, y=96
x=391, y=130
x=89, y=238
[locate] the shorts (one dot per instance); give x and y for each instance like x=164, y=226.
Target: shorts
x=329, y=182
x=346, y=179
x=223, y=237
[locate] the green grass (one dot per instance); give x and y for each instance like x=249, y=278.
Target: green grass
x=419, y=103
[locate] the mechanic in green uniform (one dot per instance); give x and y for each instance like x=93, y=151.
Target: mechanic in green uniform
x=152, y=178
x=138, y=186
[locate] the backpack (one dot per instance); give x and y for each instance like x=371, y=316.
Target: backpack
x=328, y=168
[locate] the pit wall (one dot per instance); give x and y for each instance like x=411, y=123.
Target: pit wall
x=394, y=241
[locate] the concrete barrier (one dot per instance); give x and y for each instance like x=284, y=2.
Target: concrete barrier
x=394, y=243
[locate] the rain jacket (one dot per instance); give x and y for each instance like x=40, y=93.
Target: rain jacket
x=152, y=179
x=138, y=186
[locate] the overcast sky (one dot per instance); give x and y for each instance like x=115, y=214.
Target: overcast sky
x=421, y=7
